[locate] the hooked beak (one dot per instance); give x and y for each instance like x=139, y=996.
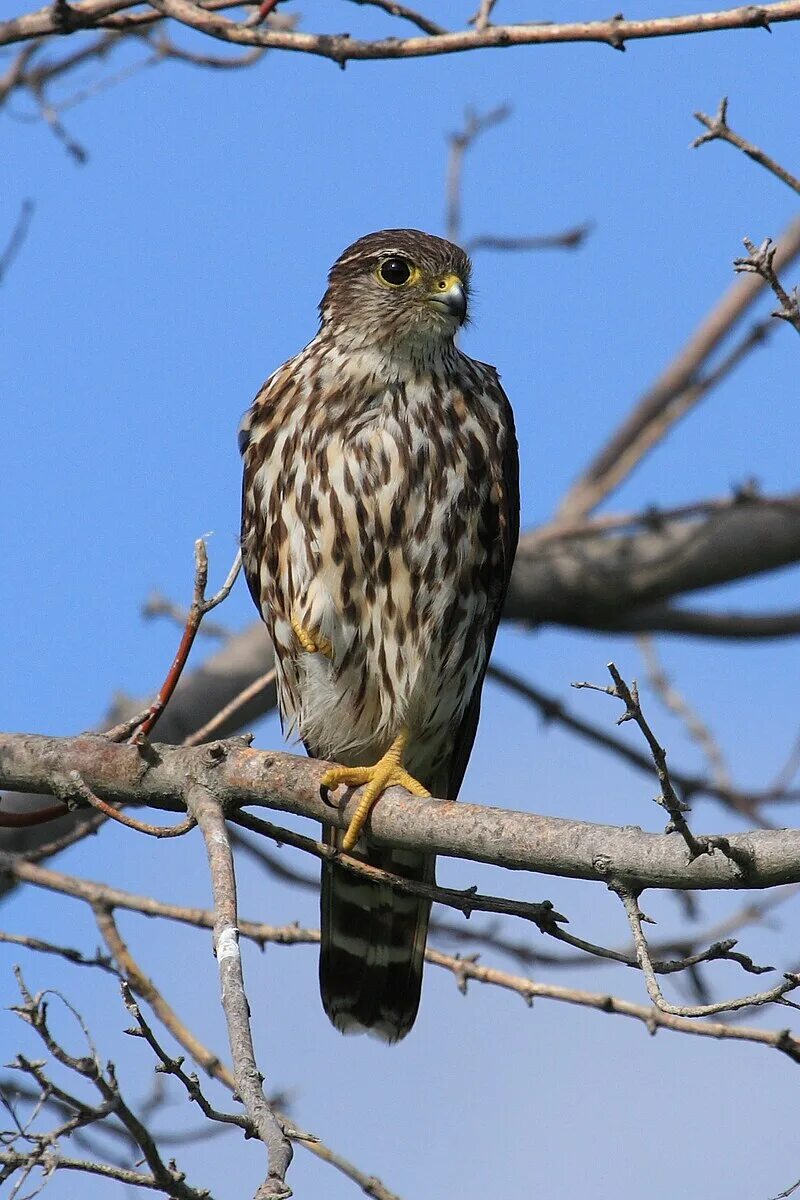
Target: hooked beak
x=449, y=296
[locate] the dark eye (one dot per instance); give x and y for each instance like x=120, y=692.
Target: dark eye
x=395, y=271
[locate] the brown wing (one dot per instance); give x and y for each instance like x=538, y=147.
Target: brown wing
x=505, y=519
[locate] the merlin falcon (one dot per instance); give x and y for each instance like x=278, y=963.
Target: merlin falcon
x=379, y=525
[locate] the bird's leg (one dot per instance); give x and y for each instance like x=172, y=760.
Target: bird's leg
x=313, y=642
x=387, y=772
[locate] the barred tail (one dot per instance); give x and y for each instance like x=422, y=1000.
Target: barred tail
x=373, y=943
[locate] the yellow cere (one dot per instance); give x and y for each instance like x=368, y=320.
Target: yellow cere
x=444, y=283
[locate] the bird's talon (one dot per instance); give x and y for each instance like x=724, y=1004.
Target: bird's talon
x=386, y=773
x=312, y=643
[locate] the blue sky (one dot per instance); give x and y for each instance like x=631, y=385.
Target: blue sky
x=160, y=284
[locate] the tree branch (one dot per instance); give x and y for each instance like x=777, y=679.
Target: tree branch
x=208, y=814
x=626, y=446
x=635, y=918
x=719, y=130
x=342, y=48
x=159, y=776
x=760, y=261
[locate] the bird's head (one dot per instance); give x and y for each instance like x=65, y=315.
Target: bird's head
x=396, y=287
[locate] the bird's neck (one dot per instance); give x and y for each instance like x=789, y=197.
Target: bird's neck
x=403, y=359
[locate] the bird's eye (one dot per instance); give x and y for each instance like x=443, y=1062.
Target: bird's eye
x=395, y=271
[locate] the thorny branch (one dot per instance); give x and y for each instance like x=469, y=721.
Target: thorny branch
x=669, y=798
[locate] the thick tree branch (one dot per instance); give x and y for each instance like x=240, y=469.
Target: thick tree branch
x=159, y=776
x=592, y=581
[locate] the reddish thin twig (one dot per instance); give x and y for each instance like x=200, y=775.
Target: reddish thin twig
x=200, y=606
x=265, y=8
x=39, y=816
x=159, y=831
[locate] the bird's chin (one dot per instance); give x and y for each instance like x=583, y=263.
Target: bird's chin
x=442, y=322
x=444, y=311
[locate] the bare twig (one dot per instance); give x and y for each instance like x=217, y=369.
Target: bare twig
x=231, y=709
x=475, y=124
x=102, y=900
x=77, y=789
x=16, y=238
x=635, y=916
x=102, y=961
x=760, y=261
x=163, y=1177
x=465, y=969
x=483, y=16
x=552, y=709
x=38, y=816
x=787, y=1192
x=719, y=130
x=677, y=704
x=668, y=799
x=174, y=1066
x=157, y=605
x=405, y=14
x=568, y=239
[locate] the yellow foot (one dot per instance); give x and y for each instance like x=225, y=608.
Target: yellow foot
x=388, y=772
x=313, y=643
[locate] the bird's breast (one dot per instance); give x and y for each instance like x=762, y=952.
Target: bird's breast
x=387, y=548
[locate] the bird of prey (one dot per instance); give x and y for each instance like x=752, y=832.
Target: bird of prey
x=379, y=525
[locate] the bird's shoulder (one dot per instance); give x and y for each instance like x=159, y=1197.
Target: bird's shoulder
x=285, y=382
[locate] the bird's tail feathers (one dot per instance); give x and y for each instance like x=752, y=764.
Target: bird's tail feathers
x=373, y=942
